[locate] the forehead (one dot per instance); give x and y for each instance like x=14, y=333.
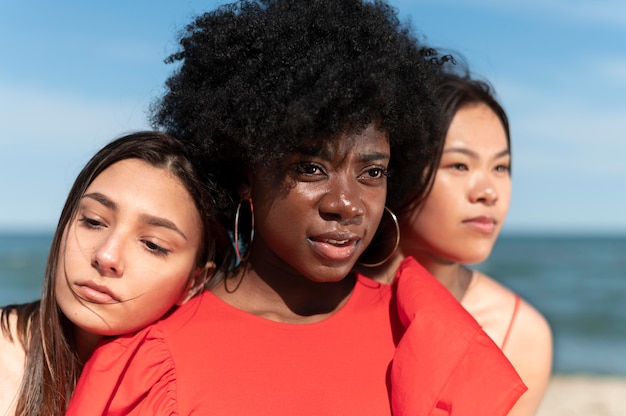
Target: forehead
x=135, y=169
x=476, y=124
x=367, y=140
x=136, y=180
x=134, y=185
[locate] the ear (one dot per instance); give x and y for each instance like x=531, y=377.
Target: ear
x=197, y=282
x=244, y=191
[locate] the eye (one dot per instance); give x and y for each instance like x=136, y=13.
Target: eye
x=376, y=172
x=155, y=248
x=459, y=166
x=308, y=171
x=90, y=222
x=502, y=168
x=308, y=168
x=373, y=175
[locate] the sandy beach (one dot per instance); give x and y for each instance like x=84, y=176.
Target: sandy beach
x=585, y=395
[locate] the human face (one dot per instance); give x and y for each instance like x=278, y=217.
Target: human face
x=462, y=216
x=324, y=210
x=129, y=253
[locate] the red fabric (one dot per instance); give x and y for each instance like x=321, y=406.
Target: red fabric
x=445, y=364
x=210, y=358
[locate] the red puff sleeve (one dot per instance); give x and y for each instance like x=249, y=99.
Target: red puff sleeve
x=130, y=375
x=445, y=364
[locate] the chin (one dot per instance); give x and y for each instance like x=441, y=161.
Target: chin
x=474, y=259
x=331, y=274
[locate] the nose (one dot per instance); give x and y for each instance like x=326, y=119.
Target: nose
x=343, y=202
x=107, y=257
x=484, y=191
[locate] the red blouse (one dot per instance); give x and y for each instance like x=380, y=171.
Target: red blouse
x=208, y=357
x=445, y=363
x=211, y=358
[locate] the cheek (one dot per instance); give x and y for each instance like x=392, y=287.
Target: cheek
x=430, y=219
x=505, y=196
x=162, y=293
x=428, y=228
x=417, y=232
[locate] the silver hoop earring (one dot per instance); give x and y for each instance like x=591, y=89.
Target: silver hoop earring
x=239, y=256
x=382, y=241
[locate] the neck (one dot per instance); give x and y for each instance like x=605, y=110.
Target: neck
x=453, y=275
x=85, y=343
x=384, y=273
x=277, y=295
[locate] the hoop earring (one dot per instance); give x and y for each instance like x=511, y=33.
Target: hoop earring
x=378, y=232
x=239, y=256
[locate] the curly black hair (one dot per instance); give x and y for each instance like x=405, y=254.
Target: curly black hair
x=257, y=78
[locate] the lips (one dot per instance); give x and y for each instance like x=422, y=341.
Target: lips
x=482, y=224
x=337, y=247
x=94, y=293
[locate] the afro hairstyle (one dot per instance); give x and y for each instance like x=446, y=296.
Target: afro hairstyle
x=254, y=80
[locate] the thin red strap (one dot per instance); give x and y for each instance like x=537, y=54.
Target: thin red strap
x=508, y=331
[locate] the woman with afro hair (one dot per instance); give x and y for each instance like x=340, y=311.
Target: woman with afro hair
x=314, y=115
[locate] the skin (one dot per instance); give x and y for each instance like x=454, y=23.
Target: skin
x=128, y=257
x=12, y=358
x=462, y=216
x=311, y=224
x=458, y=224
x=129, y=254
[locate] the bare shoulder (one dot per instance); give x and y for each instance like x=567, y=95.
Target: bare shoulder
x=491, y=303
x=12, y=358
x=11, y=350
x=5, y=339
x=528, y=344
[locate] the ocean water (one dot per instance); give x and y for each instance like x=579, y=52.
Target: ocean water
x=577, y=282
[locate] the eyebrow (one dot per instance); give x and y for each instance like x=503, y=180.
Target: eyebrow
x=161, y=222
x=371, y=157
x=326, y=155
x=144, y=218
x=97, y=196
x=473, y=154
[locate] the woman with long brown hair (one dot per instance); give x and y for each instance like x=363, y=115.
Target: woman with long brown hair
x=138, y=235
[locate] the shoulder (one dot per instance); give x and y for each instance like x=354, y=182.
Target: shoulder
x=495, y=305
x=528, y=335
x=137, y=374
x=12, y=357
x=530, y=350
x=9, y=339
x=499, y=310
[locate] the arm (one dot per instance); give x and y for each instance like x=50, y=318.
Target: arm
x=530, y=351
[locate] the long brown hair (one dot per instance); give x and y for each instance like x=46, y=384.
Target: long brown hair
x=52, y=364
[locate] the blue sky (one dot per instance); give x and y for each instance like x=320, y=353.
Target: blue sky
x=75, y=74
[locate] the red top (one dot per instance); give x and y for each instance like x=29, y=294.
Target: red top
x=208, y=357
x=211, y=358
x=445, y=364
